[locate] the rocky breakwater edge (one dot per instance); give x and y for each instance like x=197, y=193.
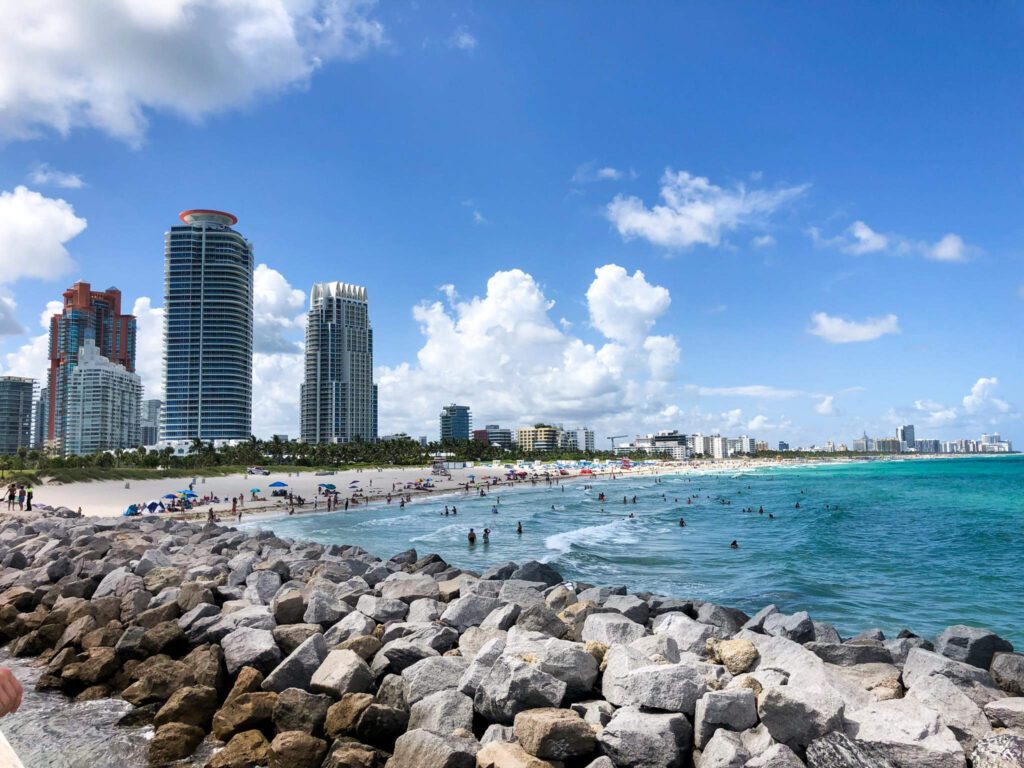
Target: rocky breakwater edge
x=292, y=654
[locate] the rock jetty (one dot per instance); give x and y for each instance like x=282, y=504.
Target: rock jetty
x=292, y=654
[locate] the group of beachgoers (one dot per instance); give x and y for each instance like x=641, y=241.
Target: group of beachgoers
x=21, y=495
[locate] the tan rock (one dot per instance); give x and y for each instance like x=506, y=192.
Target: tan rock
x=174, y=741
x=343, y=717
x=365, y=646
x=245, y=750
x=553, y=733
x=296, y=749
x=735, y=655
x=245, y=712
x=500, y=754
x=192, y=705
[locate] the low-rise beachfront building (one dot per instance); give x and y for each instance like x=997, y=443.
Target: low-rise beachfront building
x=104, y=403
x=538, y=438
x=456, y=422
x=17, y=395
x=494, y=435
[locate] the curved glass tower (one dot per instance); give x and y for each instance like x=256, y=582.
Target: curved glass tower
x=207, y=331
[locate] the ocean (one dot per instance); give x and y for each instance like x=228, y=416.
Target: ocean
x=887, y=544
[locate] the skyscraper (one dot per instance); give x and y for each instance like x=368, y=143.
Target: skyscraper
x=103, y=405
x=456, y=422
x=16, y=400
x=41, y=421
x=87, y=315
x=339, y=398
x=905, y=435
x=208, y=326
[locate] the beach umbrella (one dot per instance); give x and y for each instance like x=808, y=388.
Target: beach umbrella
x=328, y=486
x=170, y=496
x=254, y=490
x=279, y=484
x=191, y=495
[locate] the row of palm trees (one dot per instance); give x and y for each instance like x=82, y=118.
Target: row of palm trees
x=398, y=452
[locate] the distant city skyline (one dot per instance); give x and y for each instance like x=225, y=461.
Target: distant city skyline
x=547, y=236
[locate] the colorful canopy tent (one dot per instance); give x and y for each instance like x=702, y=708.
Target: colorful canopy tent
x=279, y=484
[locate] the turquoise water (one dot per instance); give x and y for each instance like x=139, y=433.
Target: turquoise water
x=918, y=544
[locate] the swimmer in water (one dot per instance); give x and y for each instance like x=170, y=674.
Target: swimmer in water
x=771, y=516
x=760, y=510
x=487, y=534
x=797, y=505
x=682, y=523
x=471, y=536
x=519, y=528
x=631, y=515
x=494, y=510
x=734, y=545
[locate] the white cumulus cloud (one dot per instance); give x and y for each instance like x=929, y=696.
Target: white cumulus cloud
x=506, y=356
x=34, y=231
x=838, y=330
x=107, y=64
x=149, y=347
x=277, y=309
x=826, y=406
x=860, y=239
x=625, y=307
x=463, y=39
x=696, y=212
x=982, y=397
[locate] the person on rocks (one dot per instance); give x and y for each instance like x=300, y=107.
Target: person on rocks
x=10, y=692
x=471, y=537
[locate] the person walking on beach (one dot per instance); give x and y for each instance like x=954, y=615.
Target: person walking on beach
x=21, y=497
x=12, y=494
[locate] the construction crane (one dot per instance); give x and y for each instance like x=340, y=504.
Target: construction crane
x=613, y=438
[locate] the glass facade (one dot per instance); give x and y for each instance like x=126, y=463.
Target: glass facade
x=339, y=398
x=16, y=402
x=208, y=328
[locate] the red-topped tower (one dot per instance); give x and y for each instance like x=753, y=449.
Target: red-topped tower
x=87, y=314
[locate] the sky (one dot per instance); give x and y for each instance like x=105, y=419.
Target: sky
x=791, y=221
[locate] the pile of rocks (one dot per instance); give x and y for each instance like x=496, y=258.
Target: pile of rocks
x=298, y=655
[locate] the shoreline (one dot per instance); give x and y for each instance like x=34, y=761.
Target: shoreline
x=109, y=498
x=249, y=644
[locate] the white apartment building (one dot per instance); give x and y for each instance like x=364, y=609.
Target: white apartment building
x=104, y=403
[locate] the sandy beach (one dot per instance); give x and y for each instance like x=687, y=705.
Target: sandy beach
x=109, y=498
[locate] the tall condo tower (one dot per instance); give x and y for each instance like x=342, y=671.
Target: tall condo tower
x=87, y=315
x=339, y=398
x=207, y=331
x=16, y=403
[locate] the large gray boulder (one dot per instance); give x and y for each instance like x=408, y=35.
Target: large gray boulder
x=970, y=645
x=956, y=710
x=248, y=647
x=797, y=627
x=778, y=756
x=732, y=710
x=611, y=629
x=571, y=663
x=837, y=750
x=420, y=748
x=975, y=682
x=646, y=740
x=409, y=588
x=1006, y=713
x=1008, y=672
x=1002, y=751
x=481, y=664
x=513, y=685
x=725, y=749
x=631, y=679
x=442, y=713
x=905, y=733
x=537, y=571
x=381, y=609
x=355, y=624
x=630, y=606
x=341, y=672
x=796, y=716
x=689, y=635
x=324, y=608
x=430, y=675
x=847, y=655
x=298, y=667
x=469, y=611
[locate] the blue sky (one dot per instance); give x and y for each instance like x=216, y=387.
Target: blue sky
x=796, y=222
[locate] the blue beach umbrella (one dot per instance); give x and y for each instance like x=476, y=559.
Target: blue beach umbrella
x=170, y=496
x=254, y=490
x=328, y=486
x=279, y=484
x=190, y=494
